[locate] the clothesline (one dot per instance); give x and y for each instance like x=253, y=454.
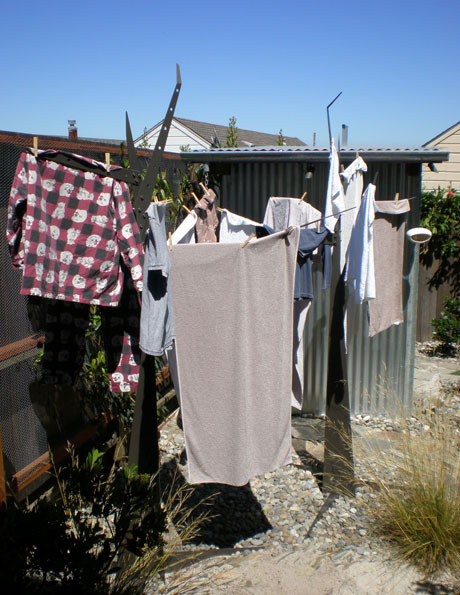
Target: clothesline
x=327, y=216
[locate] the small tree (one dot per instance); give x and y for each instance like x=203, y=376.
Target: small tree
x=232, y=133
x=144, y=144
x=281, y=139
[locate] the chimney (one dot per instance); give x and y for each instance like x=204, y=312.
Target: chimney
x=73, y=132
x=344, y=135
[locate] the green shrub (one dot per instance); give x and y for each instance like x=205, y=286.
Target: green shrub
x=74, y=542
x=447, y=327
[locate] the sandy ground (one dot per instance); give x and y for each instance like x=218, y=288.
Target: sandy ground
x=302, y=571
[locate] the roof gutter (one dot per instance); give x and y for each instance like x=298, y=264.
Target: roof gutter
x=428, y=155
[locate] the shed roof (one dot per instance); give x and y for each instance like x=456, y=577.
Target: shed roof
x=306, y=153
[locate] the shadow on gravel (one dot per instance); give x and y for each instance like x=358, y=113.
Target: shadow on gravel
x=312, y=464
x=236, y=513
x=430, y=588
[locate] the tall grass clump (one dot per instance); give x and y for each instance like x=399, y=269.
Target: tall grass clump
x=417, y=494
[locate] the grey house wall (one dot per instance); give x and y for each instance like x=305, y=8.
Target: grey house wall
x=380, y=369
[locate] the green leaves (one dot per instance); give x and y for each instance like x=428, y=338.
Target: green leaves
x=232, y=133
x=440, y=213
x=447, y=327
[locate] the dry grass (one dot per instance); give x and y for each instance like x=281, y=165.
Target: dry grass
x=417, y=487
x=183, y=524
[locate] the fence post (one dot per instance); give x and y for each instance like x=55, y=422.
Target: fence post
x=2, y=475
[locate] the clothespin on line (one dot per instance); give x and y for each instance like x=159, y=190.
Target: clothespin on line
x=246, y=242
x=107, y=161
x=206, y=190
x=197, y=200
x=302, y=197
x=186, y=208
x=170, y=241
x=397, y=196
x=35, y=145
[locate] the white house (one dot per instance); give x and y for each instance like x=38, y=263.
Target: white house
x=448, y=172
x=202, y=135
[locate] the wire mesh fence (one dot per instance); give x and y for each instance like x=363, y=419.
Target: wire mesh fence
x=34, y=416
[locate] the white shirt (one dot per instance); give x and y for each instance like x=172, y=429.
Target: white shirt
x=359, y=273
x=185, y=233
x=234, y=228
x=334, y=195
x=353, y=190
x=282, y=212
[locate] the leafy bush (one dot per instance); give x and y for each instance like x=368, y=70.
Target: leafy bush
x=74, y=543
x=440, y=213
x=447, y=327
x=102, y=534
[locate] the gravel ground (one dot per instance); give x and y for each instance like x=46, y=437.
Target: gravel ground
x=284, y=512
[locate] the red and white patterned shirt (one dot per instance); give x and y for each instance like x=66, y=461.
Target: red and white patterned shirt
x=69, y=230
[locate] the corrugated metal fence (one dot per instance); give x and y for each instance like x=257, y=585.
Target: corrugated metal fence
x=380, y=369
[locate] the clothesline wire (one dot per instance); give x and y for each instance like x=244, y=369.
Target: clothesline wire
x=327, y=217
x=339, y=213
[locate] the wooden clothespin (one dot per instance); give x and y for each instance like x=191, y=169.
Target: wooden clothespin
x=302, y=197
x=246, y=242
x=342, y=167
x=397, y=196
x=35, y=145
x=187, y=209
x=197, y=200
x=170, y=241
x=357, y=154
x=204, y=188
x=107, y=161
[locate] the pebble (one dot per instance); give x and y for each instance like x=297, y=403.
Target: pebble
x=276, y=511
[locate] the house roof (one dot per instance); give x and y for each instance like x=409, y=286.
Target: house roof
x=439, y=136
x=72, y=145
x=305, y=153
x=207, y=132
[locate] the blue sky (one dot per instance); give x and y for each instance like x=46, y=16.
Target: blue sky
x=271, y=64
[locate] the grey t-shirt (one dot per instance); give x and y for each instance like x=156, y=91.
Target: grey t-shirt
x=157, y=330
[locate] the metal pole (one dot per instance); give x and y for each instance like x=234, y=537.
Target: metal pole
x=329, y=119
x=338, y=448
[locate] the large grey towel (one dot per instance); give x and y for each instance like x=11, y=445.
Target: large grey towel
x=233, y=308
x=389, y=227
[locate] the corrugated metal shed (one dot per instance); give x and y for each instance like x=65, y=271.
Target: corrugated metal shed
x=380, y=369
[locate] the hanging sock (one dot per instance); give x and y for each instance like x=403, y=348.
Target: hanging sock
x=208, y=221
